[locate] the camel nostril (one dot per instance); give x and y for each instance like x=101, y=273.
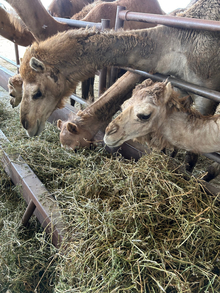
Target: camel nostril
x=25, y=123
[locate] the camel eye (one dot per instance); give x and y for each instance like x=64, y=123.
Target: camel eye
x=143, y=117
x=37, y=95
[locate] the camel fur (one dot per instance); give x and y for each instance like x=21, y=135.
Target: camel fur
x=15, y=89
x=51, y=69
x=155, y=114
x=97, y=11
x=67, y=8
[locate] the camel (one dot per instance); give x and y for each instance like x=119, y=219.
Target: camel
x=15, y=89
x=155, y=114
x=97, y=10
x=67, y=8
x=81, y=130
x=52, y=69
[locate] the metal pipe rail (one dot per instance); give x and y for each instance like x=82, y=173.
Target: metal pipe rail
x=199, y=90
x=175, y=21
x=79, y=23
x=9, y=61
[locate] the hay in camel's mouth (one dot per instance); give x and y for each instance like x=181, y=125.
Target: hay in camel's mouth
x=132, y=226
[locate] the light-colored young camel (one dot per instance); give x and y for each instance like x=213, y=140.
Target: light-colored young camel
x=81, y=130
x=157, y=115
x=52, y=69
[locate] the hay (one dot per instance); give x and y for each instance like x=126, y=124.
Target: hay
x=132, y=226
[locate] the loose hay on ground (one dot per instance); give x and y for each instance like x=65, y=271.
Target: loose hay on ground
x=131, y=226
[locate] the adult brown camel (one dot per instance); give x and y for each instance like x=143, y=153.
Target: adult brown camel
x=97, y=11
x=51, y=71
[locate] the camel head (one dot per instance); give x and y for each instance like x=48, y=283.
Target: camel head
x=15, y=89
x=141, y=114
x=43, y=92
x=73, y=135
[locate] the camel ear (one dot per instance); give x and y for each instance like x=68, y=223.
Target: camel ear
x=37, y=65
x=167, y=92
x=72, y=127
x=59, y=124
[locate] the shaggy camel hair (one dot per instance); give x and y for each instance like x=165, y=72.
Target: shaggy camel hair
x=155, y=114
x=52, y=69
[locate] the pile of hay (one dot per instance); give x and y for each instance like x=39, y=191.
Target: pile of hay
x=130, y=226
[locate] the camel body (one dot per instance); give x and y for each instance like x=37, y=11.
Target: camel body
x=155, y=114
x=51, y=69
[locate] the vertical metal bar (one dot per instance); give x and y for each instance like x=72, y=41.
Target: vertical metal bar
x=119, y=23
x=28, y=213
x=17, y=56
x=103, y=72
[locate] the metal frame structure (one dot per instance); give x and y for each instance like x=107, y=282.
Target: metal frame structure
x=39, y=201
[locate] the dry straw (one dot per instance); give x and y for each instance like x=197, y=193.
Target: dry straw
x=131, y=226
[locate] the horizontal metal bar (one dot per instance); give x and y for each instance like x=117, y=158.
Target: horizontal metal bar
x=199, y=90
x=10, y=61
x=79, y=23
x=180, y=22
x=213, y=156
x=79, y=100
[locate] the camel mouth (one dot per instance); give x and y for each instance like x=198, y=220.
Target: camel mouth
x=36, y=130
x=113, y=143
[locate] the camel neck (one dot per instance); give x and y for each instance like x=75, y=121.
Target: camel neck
x=87, y=51
x=200, y=135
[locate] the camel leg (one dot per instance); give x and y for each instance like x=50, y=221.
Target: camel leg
x=190, y=161
x=88, y=89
